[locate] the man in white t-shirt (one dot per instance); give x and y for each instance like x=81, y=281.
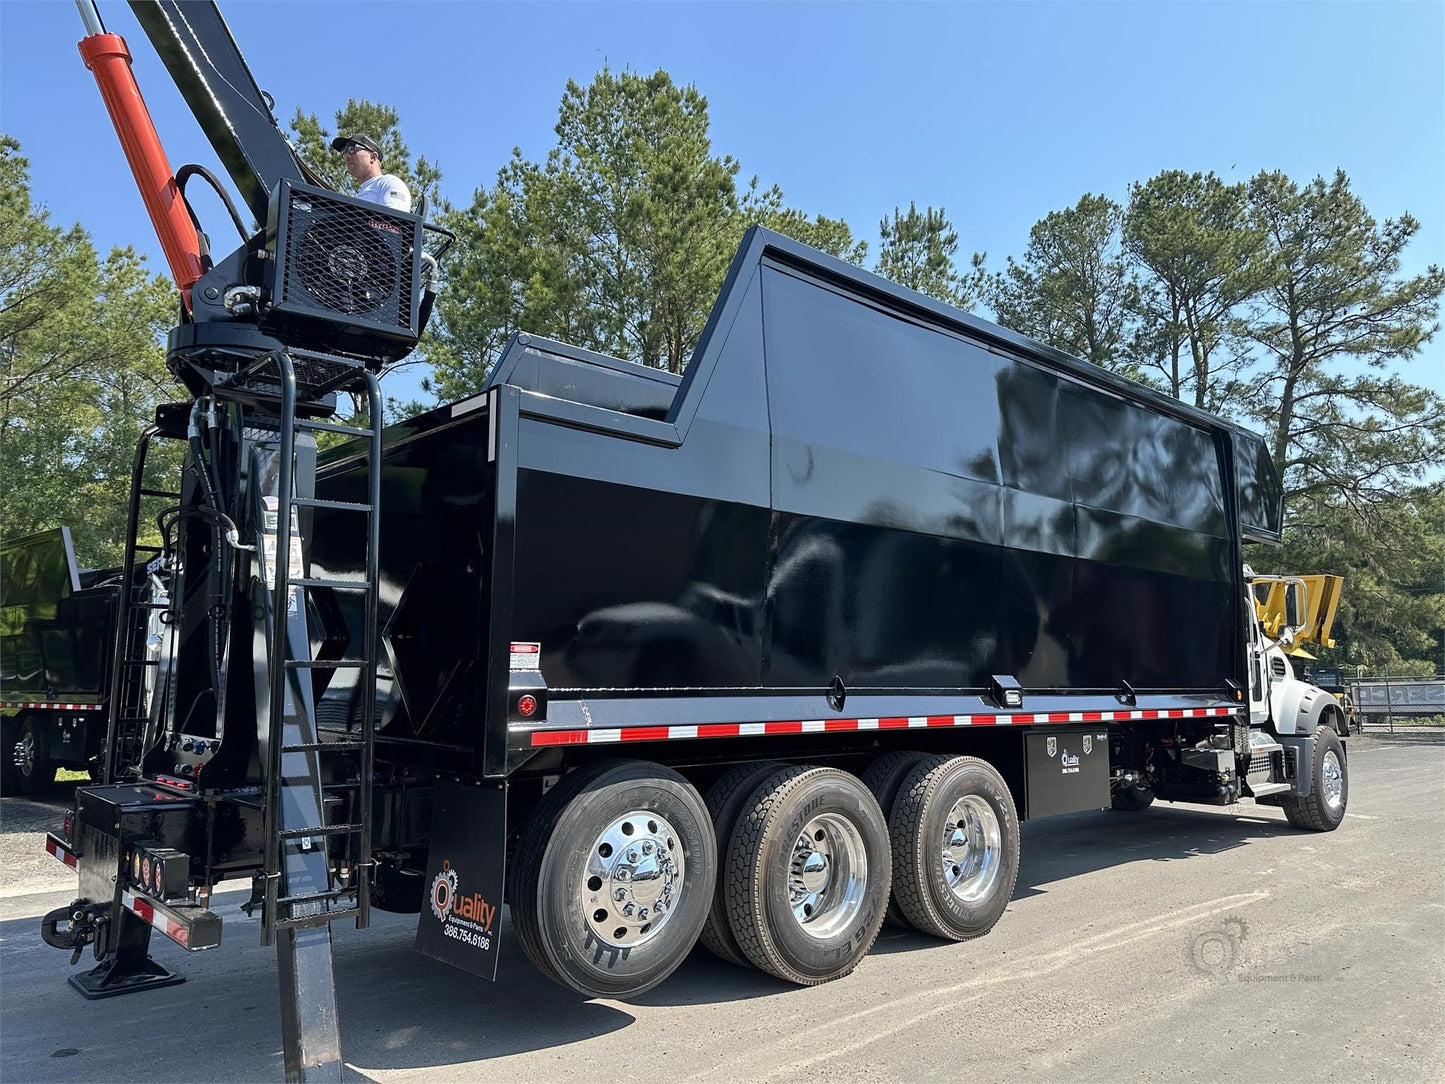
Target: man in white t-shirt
x=363, y=162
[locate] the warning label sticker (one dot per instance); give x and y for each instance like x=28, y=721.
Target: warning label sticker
x=526, y=657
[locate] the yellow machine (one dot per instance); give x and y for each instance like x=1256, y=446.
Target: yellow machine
x=1322, y=596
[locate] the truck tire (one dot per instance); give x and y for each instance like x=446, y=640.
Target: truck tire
x=955, y=847
x=27, y=767
x=1324, y=807
x=1132, y=799
x=808, y=870
x=605, y=847
x=725, y=800
x=883, y=777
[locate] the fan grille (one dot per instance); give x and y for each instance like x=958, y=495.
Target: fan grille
x=349, y=259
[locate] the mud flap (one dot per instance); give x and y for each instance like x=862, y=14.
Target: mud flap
x=461, y=922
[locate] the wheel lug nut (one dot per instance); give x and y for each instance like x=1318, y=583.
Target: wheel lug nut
x=628, y=909
x=647, y=848
x=632, y=855
x=642, y=912
x=621, y=875
x=619, y=895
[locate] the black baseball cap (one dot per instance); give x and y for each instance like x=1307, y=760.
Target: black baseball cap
x=365, y=142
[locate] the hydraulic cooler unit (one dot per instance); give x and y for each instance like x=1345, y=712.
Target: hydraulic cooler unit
x=342, y=273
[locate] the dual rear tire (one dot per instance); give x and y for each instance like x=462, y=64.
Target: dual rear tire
x=955, y=841
x=623, y=867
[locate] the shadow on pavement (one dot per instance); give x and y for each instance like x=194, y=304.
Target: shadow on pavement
x=1055, y=848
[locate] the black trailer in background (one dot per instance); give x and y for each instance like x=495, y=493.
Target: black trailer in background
x=57, y=632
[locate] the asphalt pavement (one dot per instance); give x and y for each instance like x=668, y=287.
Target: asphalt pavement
x=1176, y=943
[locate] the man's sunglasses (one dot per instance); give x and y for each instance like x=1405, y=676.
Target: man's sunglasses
x=351, y=148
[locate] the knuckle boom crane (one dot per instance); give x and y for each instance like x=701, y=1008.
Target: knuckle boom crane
x=227, y=771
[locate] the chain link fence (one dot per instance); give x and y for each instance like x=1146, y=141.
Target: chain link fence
x=1384, y=704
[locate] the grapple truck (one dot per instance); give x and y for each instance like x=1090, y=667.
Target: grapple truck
x=756, y=656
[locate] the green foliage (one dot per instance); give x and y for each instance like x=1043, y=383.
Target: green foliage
x=618, y=242
x=1074, y=289
x=81, y=371
x=918, y=251
x=1334, y=299
x=1199, y=259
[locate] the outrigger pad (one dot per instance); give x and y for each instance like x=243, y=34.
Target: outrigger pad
x=110, y=978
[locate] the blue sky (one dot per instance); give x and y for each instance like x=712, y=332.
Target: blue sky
x=998, y=112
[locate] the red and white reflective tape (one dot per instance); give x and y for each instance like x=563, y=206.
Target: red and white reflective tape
x=606, y=735
x=172, y=929
x=61, y=853
x=46, y=704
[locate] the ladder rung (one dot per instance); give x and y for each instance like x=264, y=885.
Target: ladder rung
x=325, y=918
x=333, y=427
x=319, y=897
x=325, y=746
x=317, y=502
x=328, y=830
x=158, y=493
x=326, y=664
x=150, y=605
x=147, y=548
x=141, y=662
x=335, y=585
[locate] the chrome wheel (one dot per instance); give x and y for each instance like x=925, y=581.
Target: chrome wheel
x=828, y=875
x=24, y=753
x=1332, y=778
x=633, y=879
x=972, y=848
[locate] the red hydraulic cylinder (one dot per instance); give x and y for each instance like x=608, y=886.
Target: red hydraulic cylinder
x=108, y=58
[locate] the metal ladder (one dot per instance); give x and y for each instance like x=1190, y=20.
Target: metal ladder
x=127, y=717
x=300, y=778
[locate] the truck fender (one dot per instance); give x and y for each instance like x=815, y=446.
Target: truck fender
x=1300, y=708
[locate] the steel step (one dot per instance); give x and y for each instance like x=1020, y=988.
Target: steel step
x=1262, y=789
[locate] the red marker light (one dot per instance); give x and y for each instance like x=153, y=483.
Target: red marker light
x=527, y=704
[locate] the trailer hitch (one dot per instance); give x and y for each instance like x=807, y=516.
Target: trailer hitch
x=75, y=926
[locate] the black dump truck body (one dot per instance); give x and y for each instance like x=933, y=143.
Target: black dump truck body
x=855, y=508
x=57, y=630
